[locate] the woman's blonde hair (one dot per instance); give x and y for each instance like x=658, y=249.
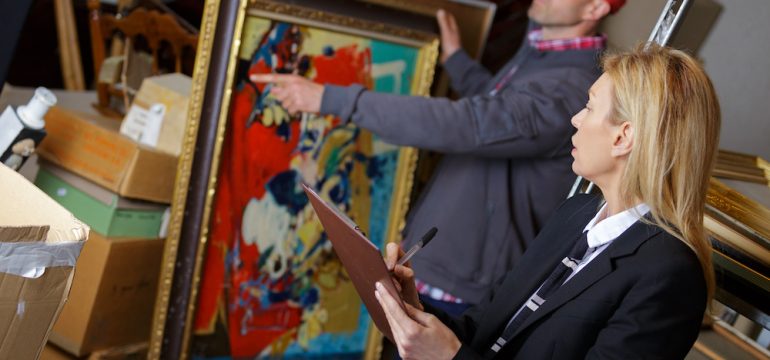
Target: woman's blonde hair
x=671, y=104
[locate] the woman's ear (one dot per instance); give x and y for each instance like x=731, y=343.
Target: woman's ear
x=624, y=140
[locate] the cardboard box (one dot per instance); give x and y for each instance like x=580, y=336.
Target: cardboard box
x=104, y=211
x=51, y=352
x=113, y=295
x=39, y=244
x=158, y=114
x=91, y=146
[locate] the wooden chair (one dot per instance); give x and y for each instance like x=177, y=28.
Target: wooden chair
x=160, y=33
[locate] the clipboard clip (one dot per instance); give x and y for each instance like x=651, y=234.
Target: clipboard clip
x=361, y=231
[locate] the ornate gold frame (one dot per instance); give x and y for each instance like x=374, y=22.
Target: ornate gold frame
x=196, y=179
x=739, y=207
x=741, y=229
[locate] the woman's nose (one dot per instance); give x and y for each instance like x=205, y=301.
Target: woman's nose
x=576, y=119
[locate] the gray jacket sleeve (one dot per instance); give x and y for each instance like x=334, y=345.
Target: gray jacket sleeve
x=531, y=120
x=467, y=76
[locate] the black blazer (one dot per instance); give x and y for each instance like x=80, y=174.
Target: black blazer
x=643, y=297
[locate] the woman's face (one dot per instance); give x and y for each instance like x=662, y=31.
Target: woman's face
x=596, y=133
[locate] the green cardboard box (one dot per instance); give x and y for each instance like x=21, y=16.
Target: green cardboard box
x=104, y=211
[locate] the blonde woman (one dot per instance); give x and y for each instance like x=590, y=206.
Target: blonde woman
x=625, y=277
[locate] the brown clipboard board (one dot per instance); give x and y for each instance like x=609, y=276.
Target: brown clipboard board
x=362, y=259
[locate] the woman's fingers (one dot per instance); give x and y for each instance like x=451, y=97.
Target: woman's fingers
x=403, y=273
x=393, y=312
x=395, y=326
x=392, y=253
x=389, y=304
x=418, y=315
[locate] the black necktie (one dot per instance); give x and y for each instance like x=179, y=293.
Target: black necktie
x=559, y=275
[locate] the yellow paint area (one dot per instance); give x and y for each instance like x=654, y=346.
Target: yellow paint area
x=341, y=302
x=254, y=29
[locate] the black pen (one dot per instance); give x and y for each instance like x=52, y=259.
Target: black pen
x=420, y=244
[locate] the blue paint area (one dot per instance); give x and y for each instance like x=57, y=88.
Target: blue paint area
x=308, y=140
x=384, y=53
x=283, y=131
x=383, y=170
x=277, y=297
x=377, y=167
x=265, y=50
x=308, y=297
x=263, y=256
x=286, y=191
x=340, y=191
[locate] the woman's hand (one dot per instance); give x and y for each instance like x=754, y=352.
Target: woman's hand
x=418, y=335
x=403, y=275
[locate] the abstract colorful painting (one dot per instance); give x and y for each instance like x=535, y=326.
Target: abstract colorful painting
x=271, y=285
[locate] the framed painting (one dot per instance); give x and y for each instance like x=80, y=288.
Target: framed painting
x=248, y=270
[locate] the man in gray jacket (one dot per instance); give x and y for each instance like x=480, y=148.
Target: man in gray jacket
x=506, y=143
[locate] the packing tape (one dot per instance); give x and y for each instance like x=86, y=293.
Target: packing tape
x=29, y=259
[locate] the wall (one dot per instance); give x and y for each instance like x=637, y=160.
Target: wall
x=732, y=38
x=737, y=57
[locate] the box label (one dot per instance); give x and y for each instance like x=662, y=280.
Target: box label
x=143, y=125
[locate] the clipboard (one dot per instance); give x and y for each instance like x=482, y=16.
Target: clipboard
x=362, y=259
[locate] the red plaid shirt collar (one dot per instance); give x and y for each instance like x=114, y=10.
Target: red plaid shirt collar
x=535, y=38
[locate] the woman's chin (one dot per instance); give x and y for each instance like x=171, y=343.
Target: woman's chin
x=580, y=173
x=575, y=168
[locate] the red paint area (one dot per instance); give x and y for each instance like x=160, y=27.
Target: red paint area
x=346, y=67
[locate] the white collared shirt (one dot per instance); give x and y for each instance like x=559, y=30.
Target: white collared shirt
x=601, y=234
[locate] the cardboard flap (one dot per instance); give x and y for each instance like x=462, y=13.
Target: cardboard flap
x=26, y=207
x=24, y=233
x=150, y=187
